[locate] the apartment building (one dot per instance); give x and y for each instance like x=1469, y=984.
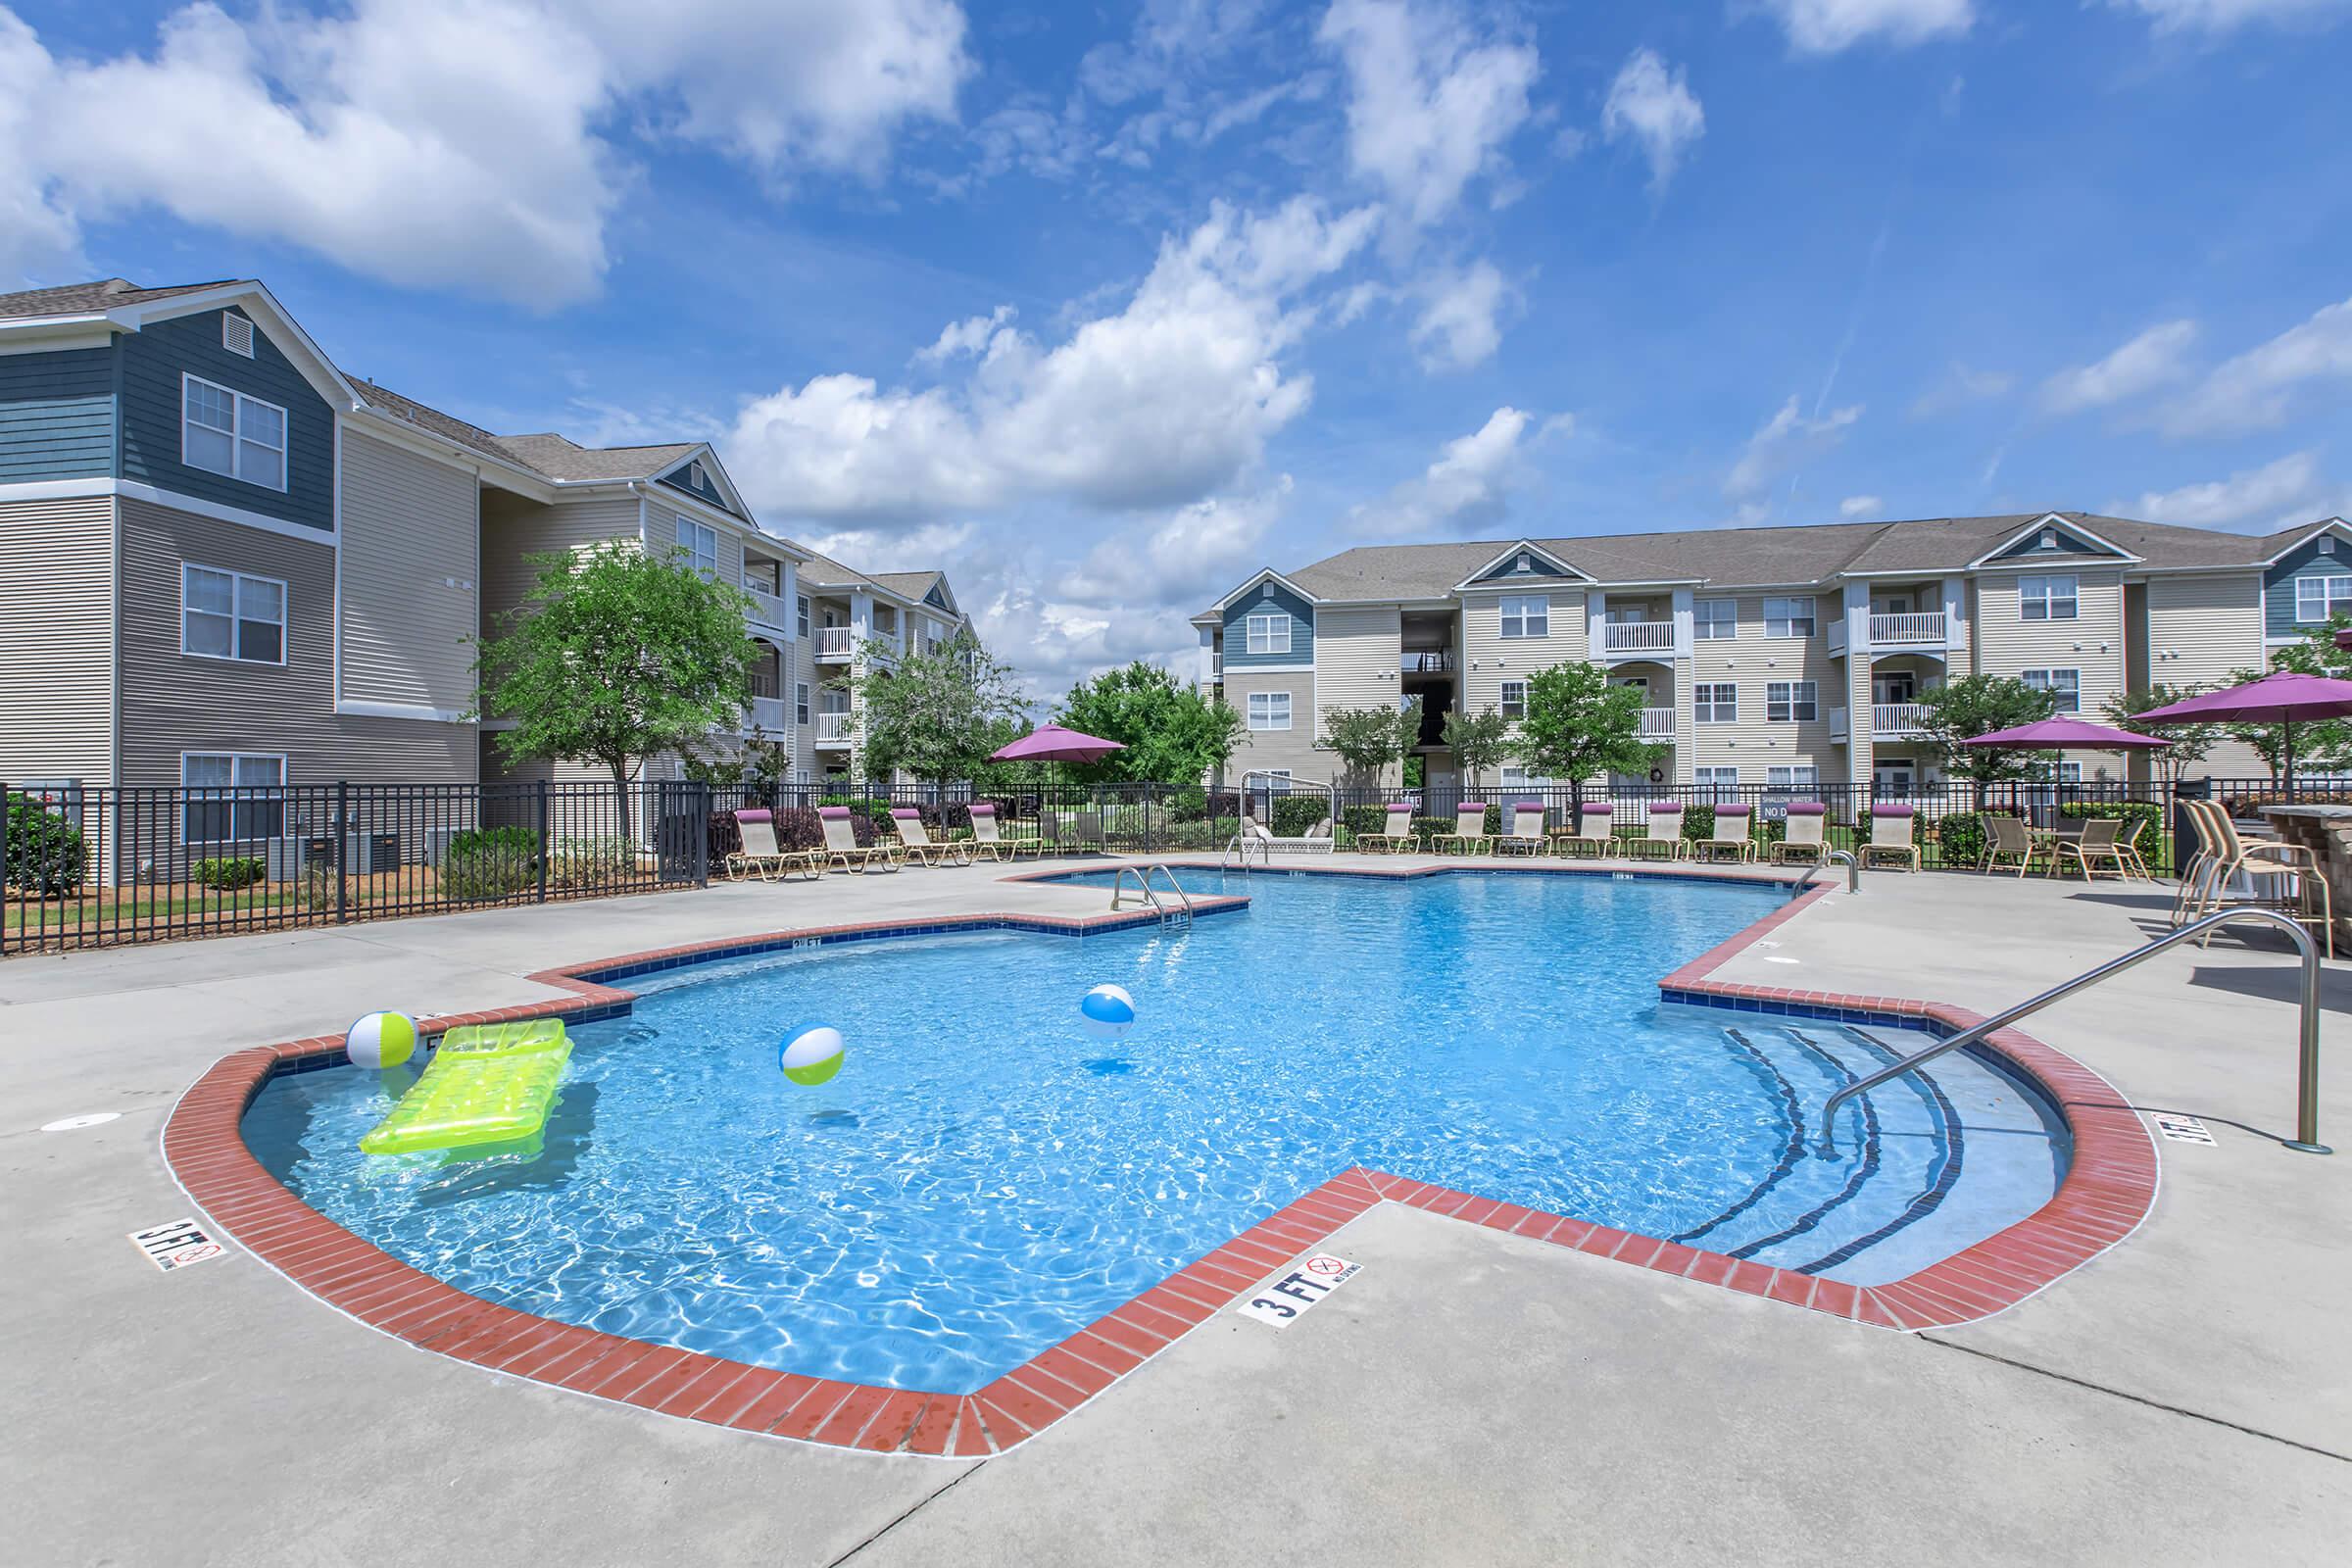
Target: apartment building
x=1771, y=657
x=223, y=560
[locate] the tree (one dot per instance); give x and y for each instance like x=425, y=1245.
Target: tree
x=2191, y=743
x=1369, y=738
x=1171, y=732
x=2321, y=745
x=615, y=654
x=1978, y=704
x=1579, y=727
x=939, y=714
x=1480, y=741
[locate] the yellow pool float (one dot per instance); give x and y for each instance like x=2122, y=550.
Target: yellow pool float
x=487, y=1084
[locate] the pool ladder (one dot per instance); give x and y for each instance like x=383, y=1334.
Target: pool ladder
x=1178, y=914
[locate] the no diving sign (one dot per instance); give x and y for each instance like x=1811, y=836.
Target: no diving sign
x=1282, y=1301
x=177, y=1245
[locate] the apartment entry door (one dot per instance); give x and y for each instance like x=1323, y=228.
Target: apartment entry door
x=1900, y=687
x=1893, y=780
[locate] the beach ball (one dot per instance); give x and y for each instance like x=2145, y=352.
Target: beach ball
x=1108, y=1012
x=381, y=1040
x=811, y=1054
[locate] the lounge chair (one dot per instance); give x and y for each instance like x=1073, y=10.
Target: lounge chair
x=1806, y=839
x=1595, y=829
x=761, y=856
x=1398, y=838
x=2007, y=838
x=2099, y=846
x=1526, y=835
x=842, y=848
x=916, y=843
x=1315, y=840
x=991, y=844
x=1729, y=833
x=1663, y=830
x=1890, y=829
x=1469, y=835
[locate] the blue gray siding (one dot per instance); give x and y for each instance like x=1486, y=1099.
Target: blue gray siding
x=708, y=490
x=2279, y=584
x=1256, y=603
x=1538, y=570
x=153, y=361
x=57, y=416
x=2069, y=544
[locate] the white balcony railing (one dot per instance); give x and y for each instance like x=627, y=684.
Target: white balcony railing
x=833, y=643
x=1657, y=723
x=768, y=713
x=1907, y=631
x=1637, y=637
x=766, y=609
x=1898, y=719
x=833, y=729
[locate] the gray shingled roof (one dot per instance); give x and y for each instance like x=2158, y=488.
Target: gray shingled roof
x=87, y=299
x=909, y=584
x=560, y=458
x=426, y=417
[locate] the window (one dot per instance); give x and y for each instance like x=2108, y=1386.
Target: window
x=1269, y=710
x=1792, y=778
x=1527, y=616
x=1515, y=777
x=224, y=431
x=800, y=614
x=800, y=702
x=2318, y=598
x=1715, y=703
x=1270, y=634
x=1788, y=618
x=1715, y=619
x=1514, y=698
x=227, y=614
x=1717, y=783
x=2046, y=598
x=231, y=797
x=2063, y=684
x=700, y=542
x=1792, y=701
x=236, y=333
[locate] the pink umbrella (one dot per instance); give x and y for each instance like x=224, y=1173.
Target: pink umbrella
x=1054, y=744
x=2284, y=697
x=2062, y=732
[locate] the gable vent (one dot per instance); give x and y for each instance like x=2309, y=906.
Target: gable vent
x=2050, y=538
x=694, y=477
x=1525, y=564
x=2326, y=544
x=1266, y=592
x=236, y=333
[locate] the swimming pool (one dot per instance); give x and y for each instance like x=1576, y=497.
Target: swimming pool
x=983, y=1178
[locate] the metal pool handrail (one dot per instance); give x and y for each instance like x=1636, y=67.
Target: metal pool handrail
x=1143, y=880
x=2307, y=1094
x=1853, y=873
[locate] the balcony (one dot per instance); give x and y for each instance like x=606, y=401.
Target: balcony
x=1637, y=637
x=1838, y=733
x=769, y=713
x=1657, y=723
x=833, y=729
x=1427, y=661
x=834, y=645
x=1897, y=719
x=767, y=610
x=1908, y=631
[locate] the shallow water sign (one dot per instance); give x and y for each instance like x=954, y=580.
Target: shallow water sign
x=1283, y=1301
x=177, y=1245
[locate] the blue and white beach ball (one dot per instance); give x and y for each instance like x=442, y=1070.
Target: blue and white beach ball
x=811, y=1054
x=381, y=1040
x=1108, y=1012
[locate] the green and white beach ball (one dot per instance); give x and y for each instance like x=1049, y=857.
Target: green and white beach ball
x=381, y=1040
x=811, y=1054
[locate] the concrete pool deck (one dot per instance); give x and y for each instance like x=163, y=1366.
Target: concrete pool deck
x=1472, y=1394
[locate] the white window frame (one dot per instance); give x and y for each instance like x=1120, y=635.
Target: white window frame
x=238, y=440
x=1791, y=702
x=800, y=616
x=2046, y=680
x=2334, y=588
x=1782, y=616
x=1262, y=710
x=236, y=618
x=193, y=797
x=1529, y=614
x=1793, y=777
x=1708, y=708
x=1722, y=628
x=1258, y=634
x=2039, y=596
x=688, y=536
x=800, y=702
x=1715, y=787
x=1524, y=780
x=1513, y=707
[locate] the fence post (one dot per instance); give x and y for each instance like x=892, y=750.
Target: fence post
x=4, y=799
x=546, y=844
x=1150, y=802
x=701, y=820
x=342, y=851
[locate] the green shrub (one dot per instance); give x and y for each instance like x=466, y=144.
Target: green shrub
x=1293, y=814
x=1186, y=803
x=1960, y=838
x=1428, y=827
x=1698, y=822
x=44, y=852
x=230, y=873
x=489, y=863
x=1354, y=819
x=2145, y=819
x=591, y=862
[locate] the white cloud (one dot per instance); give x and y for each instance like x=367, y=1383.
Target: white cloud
x=1198, y=550
x=2251, y=391
x=1654, y=107
x=1168, y=398
x=2149, y=361
x=1960, y=387
x=2277, y=495
x=1458, y=327
x=1780, y=444
x=458, y=143
x=1431, y=102
x=1467, y=490
x=2221, y=16
x=1827, y=26
x=970, y=335
x=1860, y=507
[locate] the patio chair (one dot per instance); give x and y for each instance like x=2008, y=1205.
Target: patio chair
x=1469, y=833
x=1891, y=835
x=988, y=840
x=2098, y=846
x=761, y=857
x=2284, y=877
x=1398, y=838
x=2127, y=843
x=1595, y=829
x=916, y=843
x=2193, y=870
x=2007, y=838
x=1526, y=835
x=1663, y=831
x=842, y=848
x=1729, y=833
x=1806, y=841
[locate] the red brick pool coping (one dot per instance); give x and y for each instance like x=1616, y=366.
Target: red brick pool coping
x=2108, y=1189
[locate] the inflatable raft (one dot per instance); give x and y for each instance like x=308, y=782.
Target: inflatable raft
x=488, y=1084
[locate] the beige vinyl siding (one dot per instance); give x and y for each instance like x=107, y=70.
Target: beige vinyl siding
x=2092, y=643
x=1489, y=659
x=1293, y=748
x=2200, y=630
x=1755, y=744
x=410, y=563
x=171, y=703
x=662, y=531
x=57, y=639
x=514, y=529
x=1358, y=659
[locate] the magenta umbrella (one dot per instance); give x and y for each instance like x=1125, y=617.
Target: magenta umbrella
x=1054, y=744
x=2058, y=733
x=2284, y=697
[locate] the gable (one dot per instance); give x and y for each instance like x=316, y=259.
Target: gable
x=2062, y=541
x=153, y=365
x=937, y=598
x=1526, y=563
x=1268, y=598
x=2327, y=553
x=710, y=491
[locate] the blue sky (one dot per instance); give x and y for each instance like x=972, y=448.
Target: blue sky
x=1102, y=306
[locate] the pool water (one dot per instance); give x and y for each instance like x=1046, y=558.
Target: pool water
x=983, y=1178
